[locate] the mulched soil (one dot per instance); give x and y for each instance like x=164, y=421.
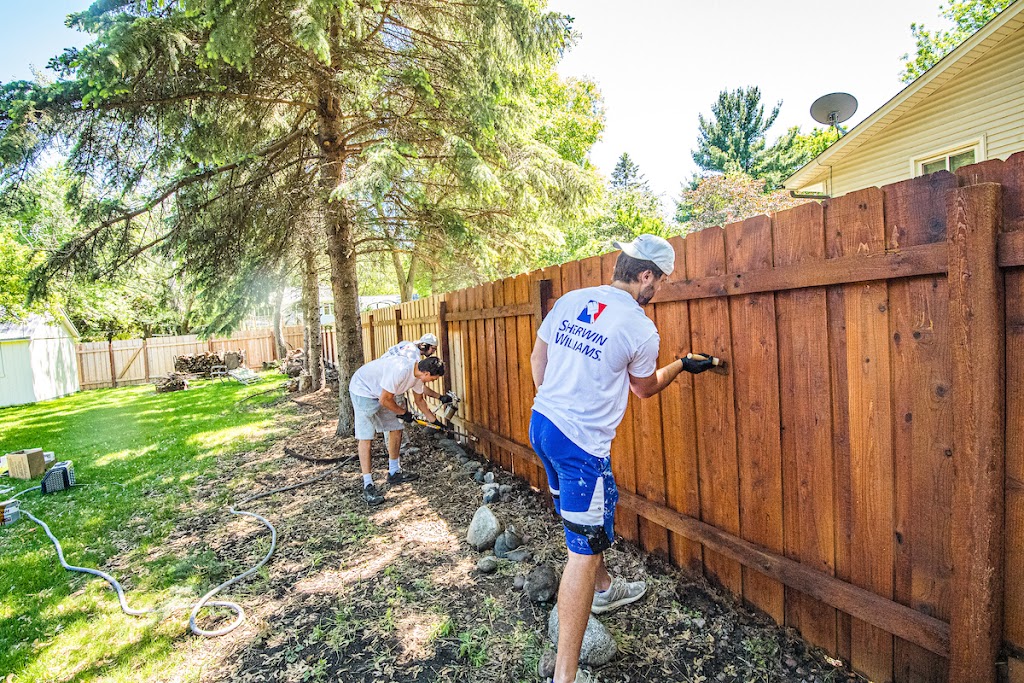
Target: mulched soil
x=393, y=593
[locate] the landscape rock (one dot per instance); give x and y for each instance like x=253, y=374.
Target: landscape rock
x=500, y=547
x=598, y=643
x=521, y=555
x=484, y=529
x=471, y=465
x=505, y=488
x=542, y=584
x=487, y=564
x=512, y=539
x=546, y=665
x=491, y=496
x=519, y=582
x=489, y=478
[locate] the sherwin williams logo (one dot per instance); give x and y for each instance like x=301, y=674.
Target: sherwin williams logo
x=592, y=312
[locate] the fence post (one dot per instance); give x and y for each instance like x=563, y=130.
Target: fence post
x=442, y=342
x=373, y=341
x=541, y=297
x=398, y=323
x=113, y=371
x=145, y=357
x=976, y=335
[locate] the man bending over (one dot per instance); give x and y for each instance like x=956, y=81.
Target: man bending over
x=377, y=391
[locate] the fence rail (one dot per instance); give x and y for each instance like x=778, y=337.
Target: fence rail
x=877, y=351
x=124, y=362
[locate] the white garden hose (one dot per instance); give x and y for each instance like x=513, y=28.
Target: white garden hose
x=205, y=600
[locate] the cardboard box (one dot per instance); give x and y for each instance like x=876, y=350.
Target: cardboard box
x=26, y=464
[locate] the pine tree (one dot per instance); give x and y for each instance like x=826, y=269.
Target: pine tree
x=238, y=117
x=626, y=175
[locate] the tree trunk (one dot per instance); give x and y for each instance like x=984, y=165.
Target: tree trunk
x=405, y=280
x=282, y=348
x=311, y=313
x=341, y=253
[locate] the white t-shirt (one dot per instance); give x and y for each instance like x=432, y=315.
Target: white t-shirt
x=406, y=349
x=387, y=373
x=597, y=337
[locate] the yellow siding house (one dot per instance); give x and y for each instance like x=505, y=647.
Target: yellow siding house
x=967, y=108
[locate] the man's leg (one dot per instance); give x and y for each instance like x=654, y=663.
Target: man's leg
x=364, y=456
x=394, y=444
x=574, y=598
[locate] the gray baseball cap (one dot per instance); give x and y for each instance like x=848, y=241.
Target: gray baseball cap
x=650, y=248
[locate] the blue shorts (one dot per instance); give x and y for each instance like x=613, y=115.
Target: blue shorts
x=582, y=488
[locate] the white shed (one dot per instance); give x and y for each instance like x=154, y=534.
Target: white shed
x=38, y=359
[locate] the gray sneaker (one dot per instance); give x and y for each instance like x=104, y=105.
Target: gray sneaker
x=372, y=496
x=620, y=593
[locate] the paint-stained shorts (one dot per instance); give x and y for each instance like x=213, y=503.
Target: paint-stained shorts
x=372, y=417
x=582, y=488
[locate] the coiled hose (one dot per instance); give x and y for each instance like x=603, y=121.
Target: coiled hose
x=205, y=600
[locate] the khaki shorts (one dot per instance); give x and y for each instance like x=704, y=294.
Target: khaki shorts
x=372, y=417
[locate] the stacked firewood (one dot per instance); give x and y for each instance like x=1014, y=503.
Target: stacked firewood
x=199, y=364
x=173, y=382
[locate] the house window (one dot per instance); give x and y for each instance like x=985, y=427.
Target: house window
x=950, y=159
x=327, y=309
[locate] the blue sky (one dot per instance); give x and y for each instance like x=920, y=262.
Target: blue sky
x=659, y=63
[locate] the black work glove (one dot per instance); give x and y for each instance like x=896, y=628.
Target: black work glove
x=437, y=423
x=445, y=398
x=406, y=417
x=696, y=366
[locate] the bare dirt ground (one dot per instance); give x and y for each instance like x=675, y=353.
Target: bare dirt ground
x=393, y=593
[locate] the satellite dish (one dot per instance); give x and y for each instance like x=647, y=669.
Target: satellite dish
x=834, y=108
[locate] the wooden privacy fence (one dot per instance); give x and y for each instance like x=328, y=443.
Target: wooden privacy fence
x=860, y=473
x=124, y=362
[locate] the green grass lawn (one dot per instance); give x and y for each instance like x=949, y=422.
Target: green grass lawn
x=140, y=453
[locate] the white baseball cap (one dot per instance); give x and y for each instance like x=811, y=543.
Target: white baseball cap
x=650, y=248
x=428, y=338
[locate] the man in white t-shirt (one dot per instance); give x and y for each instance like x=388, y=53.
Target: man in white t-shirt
x=426, y=347
x=595, y=346
x=377, y=390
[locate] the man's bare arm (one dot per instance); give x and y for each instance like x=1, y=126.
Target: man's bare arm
x=645, y=387
x=421, y=403
x=387, y=399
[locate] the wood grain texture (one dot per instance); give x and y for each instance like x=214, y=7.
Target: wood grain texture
x=855, y=225
x=755, y=362
x=713, y=396
x=976, y=325
x=806, y=421
x=923, y=421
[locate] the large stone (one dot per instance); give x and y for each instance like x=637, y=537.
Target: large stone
x=471, y=466
x=479, y=476
x=505, y=488
x=491, y=496
x=542, y=584
x=487, y=565
x=598, y=646
x=520, y=555
x=500, y=547
x=489, y=478
x=484, y=529
x=512, y=539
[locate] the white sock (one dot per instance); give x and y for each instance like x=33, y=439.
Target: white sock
x=394, y=465
x=367, y=480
